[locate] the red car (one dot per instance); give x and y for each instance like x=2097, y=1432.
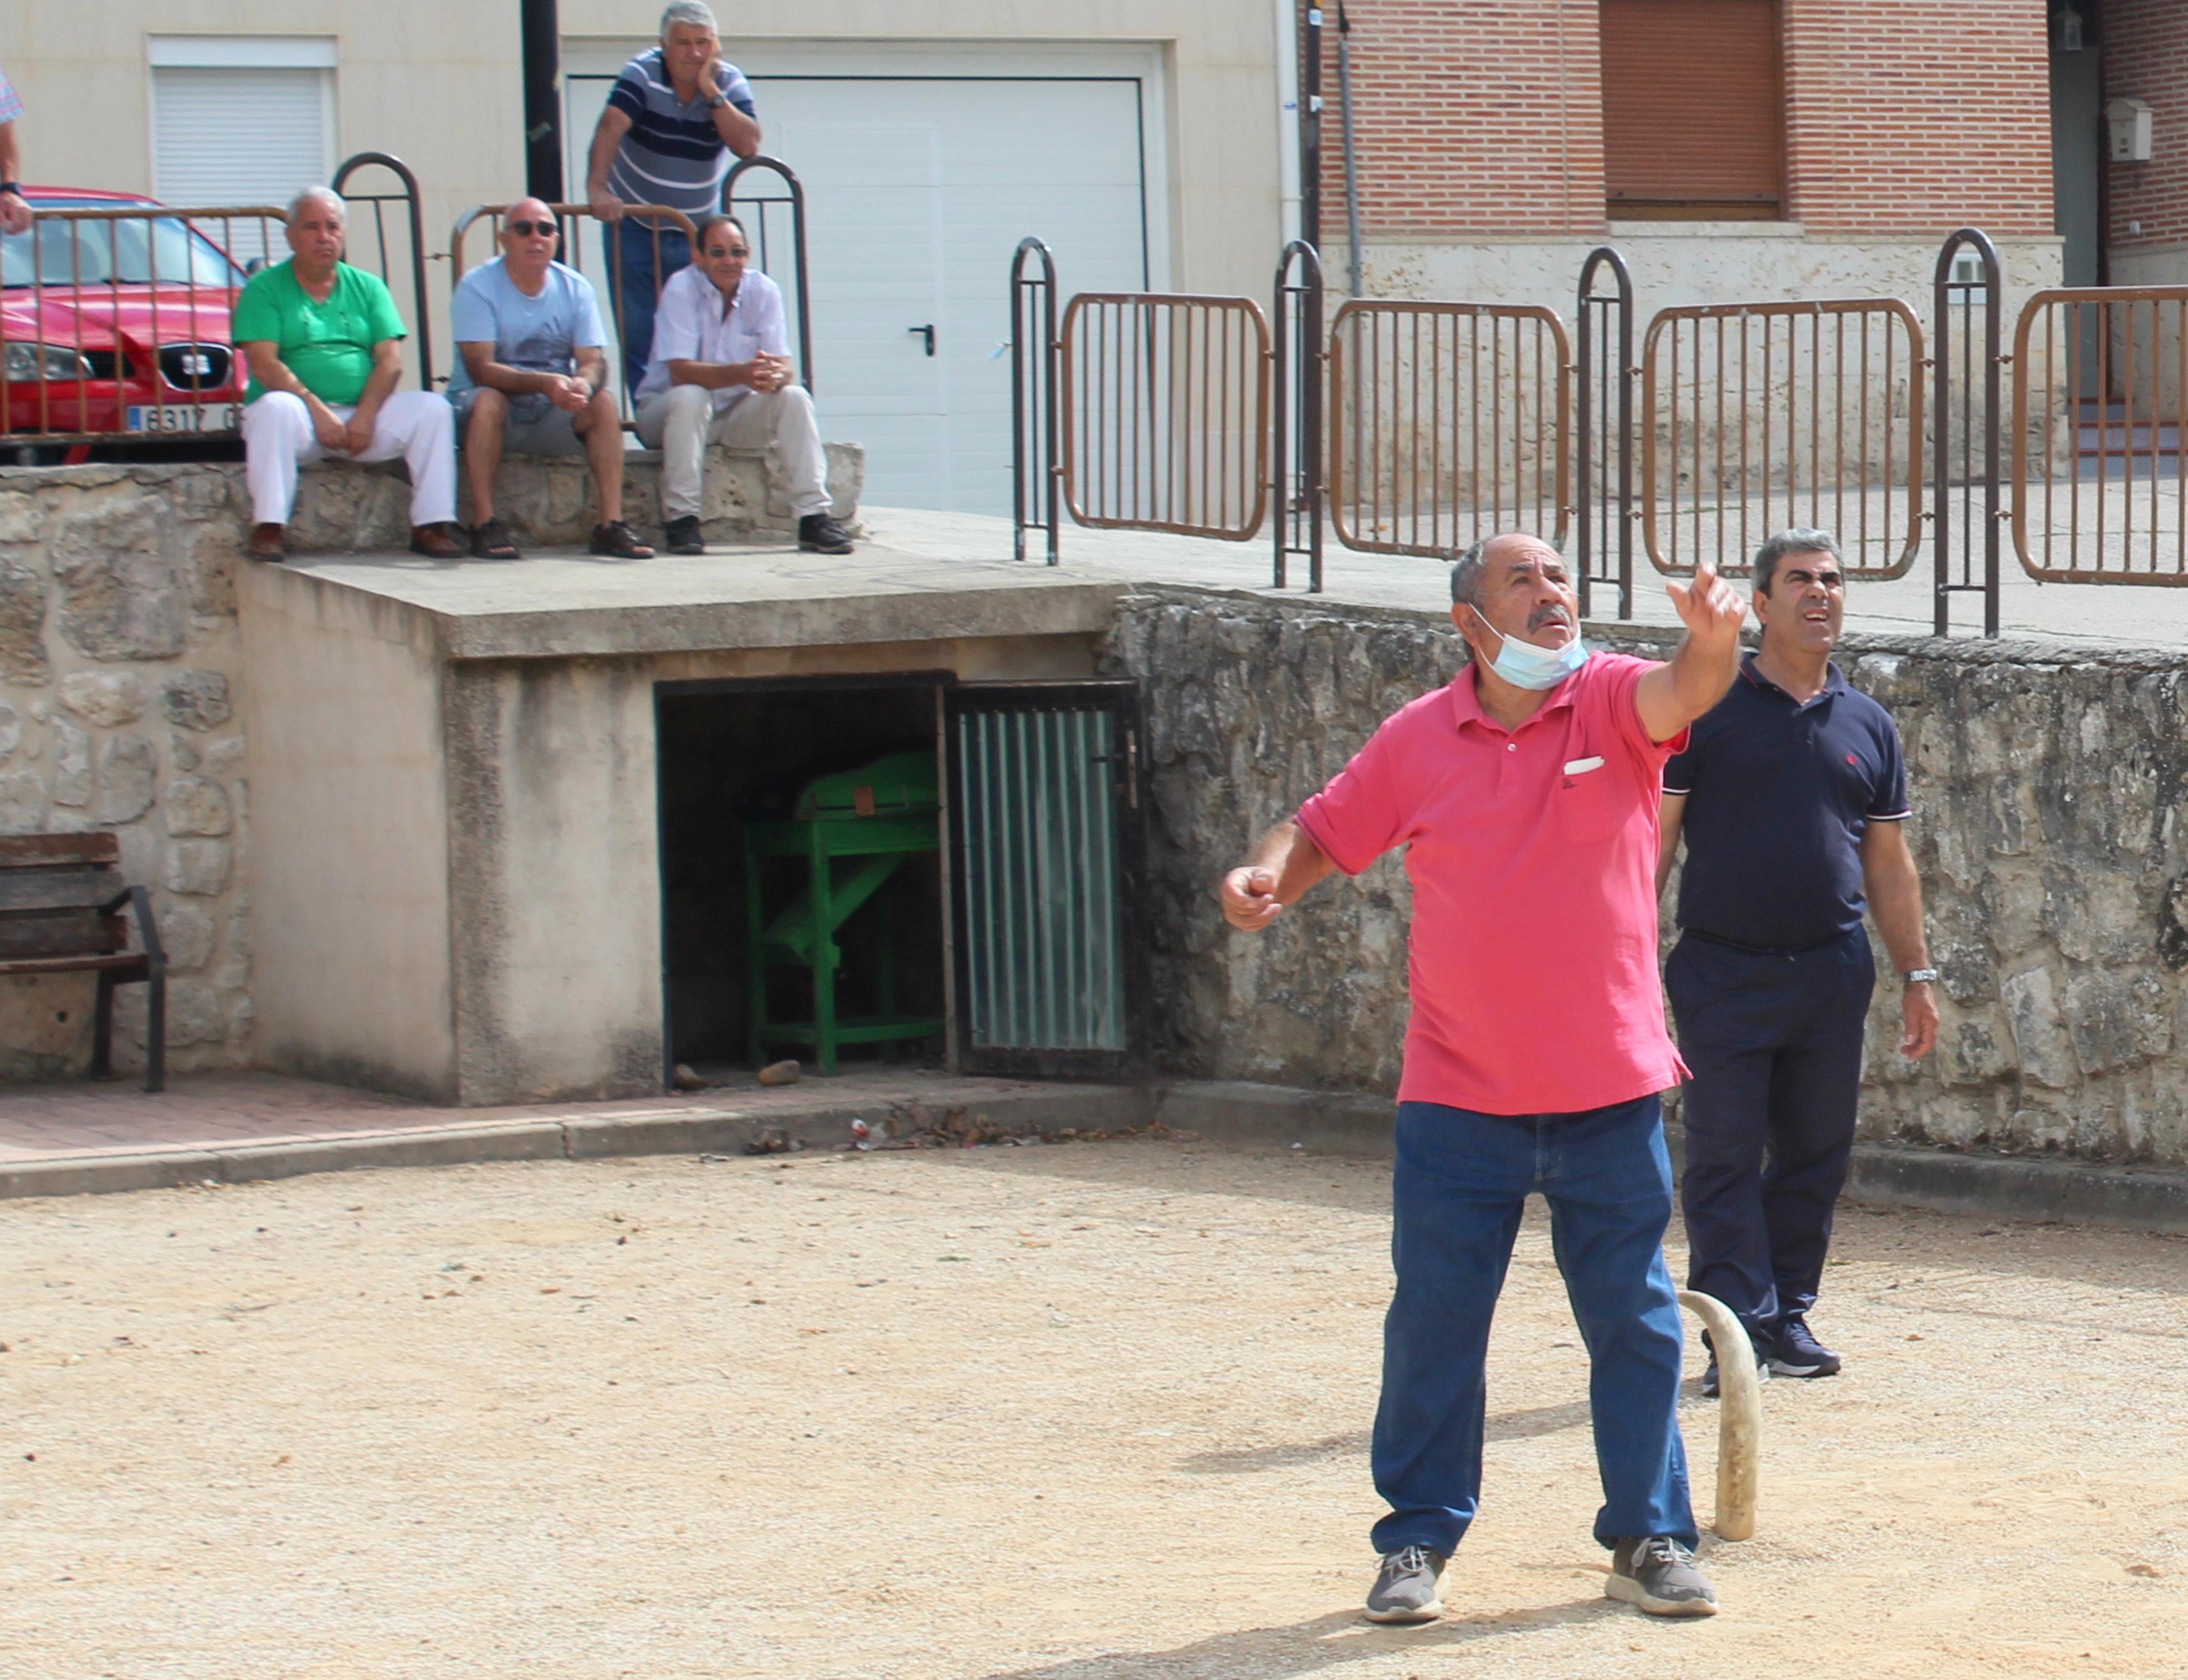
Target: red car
x=114, y=327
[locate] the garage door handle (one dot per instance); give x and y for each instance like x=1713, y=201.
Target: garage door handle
x=929, y=330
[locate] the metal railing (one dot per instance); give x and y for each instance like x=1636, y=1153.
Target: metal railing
x=115, y=321
x=1166, y=400
x=1602, y=420
x=1035, y=466
x=1296, y=425
x=575, y=218
x=2099, y=451
x=407, y=253
x=1448, y=422
x=1964, y=322
x=764, y=228
x=1758, y=416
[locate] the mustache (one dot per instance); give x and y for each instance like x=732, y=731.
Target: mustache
x=1549, y=614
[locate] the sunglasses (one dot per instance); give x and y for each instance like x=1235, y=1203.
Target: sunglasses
x=731, y=250
x=525, y=230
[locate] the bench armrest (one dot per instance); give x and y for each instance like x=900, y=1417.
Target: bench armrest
x=140, y=904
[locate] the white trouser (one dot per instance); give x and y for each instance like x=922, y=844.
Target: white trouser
x=681, y=423
x=418, y=425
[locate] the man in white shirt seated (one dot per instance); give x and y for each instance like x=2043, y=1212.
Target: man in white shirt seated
x=533, y=377
x=721, y=373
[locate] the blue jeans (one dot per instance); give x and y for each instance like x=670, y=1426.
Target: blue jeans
x=1774, y=1043
x=1461, y=1181
x=639, y=284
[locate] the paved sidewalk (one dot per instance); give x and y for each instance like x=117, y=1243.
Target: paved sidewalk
x=69, y=1139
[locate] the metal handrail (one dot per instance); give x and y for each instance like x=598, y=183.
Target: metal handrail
x=1620, y=306
x=410, y=198
x=794, y=196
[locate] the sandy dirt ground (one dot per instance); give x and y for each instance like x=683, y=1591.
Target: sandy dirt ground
x=1073, y=1413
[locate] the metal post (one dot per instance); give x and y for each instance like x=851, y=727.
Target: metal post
x=794, y=196
x=1592, y=376
x=1351, y=151
x=1033, y=486
x=1951, y=294
x=542, y=35
x=1310, y=129
x=1295, y=433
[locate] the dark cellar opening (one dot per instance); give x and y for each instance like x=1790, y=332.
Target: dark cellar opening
x=731, y=752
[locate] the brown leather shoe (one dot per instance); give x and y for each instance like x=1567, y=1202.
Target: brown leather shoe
x=266, y=544
x=434, y=542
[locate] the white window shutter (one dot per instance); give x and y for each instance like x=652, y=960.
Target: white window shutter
x=239, y=137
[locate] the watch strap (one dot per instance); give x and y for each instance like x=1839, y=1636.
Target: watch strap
x=1914, y=976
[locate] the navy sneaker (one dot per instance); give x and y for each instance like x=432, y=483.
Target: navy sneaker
x=1799, y=1354
x=1712, y=1388
x=1405, y=1589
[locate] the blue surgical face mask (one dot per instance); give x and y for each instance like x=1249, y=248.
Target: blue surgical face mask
x=1525, y=665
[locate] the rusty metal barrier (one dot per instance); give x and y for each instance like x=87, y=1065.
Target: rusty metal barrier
x=115, y=320
x=575, y=218
x=1448, y=422
x=2100, y=452
x=1166, y=413
x=1757, y=416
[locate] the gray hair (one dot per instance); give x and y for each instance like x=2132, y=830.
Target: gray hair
x=1798, y=539
x=689, y=11
x=1466, y=569
x=326, y=195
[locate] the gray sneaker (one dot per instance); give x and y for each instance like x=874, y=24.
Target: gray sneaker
x=1405, y=1590
x=1658, y=1576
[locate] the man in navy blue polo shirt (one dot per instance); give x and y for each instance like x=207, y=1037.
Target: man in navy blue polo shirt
x=1792, y=798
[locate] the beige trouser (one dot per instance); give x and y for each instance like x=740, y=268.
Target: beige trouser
x=680, y=422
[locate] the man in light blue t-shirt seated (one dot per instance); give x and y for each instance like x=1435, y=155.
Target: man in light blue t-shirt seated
x=532, y=377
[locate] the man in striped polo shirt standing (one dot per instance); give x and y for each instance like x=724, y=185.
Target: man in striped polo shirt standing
x=673, y=118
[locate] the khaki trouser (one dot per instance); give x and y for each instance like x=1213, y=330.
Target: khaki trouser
x=680, y=422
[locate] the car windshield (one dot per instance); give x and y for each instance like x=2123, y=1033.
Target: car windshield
x=130, y=249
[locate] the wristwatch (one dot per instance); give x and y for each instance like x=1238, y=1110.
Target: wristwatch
x=718, y=101
x=14, y=187
x=1921, y=976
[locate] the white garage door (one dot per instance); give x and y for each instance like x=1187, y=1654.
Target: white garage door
x=918, y=187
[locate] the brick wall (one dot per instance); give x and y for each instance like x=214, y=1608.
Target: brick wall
x=1905, y=117
x=2145, y=49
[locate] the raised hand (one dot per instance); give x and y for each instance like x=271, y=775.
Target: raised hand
x=1709, y=608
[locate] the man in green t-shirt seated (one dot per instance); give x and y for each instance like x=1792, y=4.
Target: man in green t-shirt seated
x=325, y=349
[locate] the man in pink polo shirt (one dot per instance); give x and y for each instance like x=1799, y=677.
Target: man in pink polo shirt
x=1524, y=795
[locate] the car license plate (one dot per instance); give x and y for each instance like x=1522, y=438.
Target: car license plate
x=169, y=417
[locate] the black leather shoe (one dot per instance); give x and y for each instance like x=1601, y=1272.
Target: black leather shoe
x=682, y=536
x=817, y=534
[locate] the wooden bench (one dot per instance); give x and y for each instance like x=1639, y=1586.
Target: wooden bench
x=60, y=912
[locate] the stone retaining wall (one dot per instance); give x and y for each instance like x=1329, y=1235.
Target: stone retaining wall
x=2048, y=784
x=119, y=679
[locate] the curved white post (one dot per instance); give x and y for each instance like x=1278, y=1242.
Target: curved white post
x=1740, y=1416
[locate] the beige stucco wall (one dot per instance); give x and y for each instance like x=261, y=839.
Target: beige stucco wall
x=438, y=84
x=349, y=879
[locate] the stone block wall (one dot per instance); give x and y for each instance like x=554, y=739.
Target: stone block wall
x=2049, y=783
x=118, y=711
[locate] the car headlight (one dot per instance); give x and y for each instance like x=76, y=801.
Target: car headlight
x=58, y=361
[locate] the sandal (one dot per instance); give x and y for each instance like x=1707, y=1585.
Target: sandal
x=619, y=541
x=490, y=540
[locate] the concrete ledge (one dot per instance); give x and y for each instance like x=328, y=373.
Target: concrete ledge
x=2017, y=1187
x=1335, y=1123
